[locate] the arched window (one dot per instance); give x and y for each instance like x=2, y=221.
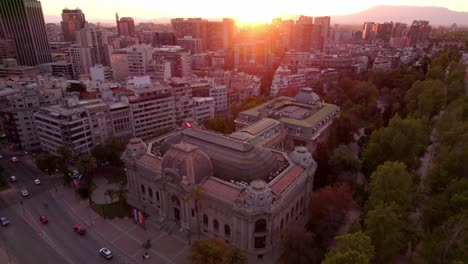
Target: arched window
x=292, y=211
x=175, y=200
x=205, y=219
x=150, y=192
x=142, y=189
x=287, y=217
x=260, y=225
x=227, y=230
x=157, y=196
x=281, y=224
x=215, y=225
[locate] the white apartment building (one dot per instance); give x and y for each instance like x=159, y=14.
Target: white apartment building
x=121, y=119
x=66, y=124
x=99, y=120
x=151, y=109
x=131, y=61
x=18, y=116
x=101, y=73
x=203, y=108
x=219, y=95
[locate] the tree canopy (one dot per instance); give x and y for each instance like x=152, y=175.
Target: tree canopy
x=328, y=210
x=391, y=183
x=403, y=140
x=352, y=248
x=425, y=98
x=214, y=251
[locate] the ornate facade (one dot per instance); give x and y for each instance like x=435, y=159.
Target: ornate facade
x=242, y=188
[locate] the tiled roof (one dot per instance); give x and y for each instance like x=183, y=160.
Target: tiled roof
x=218, y=188
x=286, y=180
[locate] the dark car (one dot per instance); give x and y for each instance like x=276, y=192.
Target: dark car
x=44, y=219
x=79, y=229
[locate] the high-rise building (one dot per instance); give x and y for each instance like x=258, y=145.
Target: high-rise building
x=72, y=21
x=92, y=48
x=419, y=31
x=23, y=21
x=125, y=26
x=324, y=23
x=191, y=44
x=131, y=61
x=213, y=34
x=228, y=33
x=367, y=31
x=384, y=31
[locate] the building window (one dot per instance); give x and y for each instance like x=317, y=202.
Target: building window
x=260, y=242
x=260, y=226
x=142, y=189
x=150, y=192
x=215, y=225
x=227, y=230
x=205, y=219
x=157, y=196
x=281, y=224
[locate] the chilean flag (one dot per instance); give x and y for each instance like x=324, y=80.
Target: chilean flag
x=187, y=125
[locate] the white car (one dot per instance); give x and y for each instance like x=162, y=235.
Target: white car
x=24, y=192
x=105, y=253
x=14, y=159
x=4, y=221
x=37, y=181
x=12, y=178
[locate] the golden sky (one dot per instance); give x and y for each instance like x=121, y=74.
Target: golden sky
x=242, y=10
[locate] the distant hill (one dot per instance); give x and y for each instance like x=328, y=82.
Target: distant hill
x=406, y=14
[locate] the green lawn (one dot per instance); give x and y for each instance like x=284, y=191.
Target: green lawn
x=113, y=210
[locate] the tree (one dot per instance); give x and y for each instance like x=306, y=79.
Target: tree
x=384, y=225
x=391, y=183
x=46, y=162
x=235, y=256
x=328, y=210
x=344, y=164
x=447, y=243
x=86, y=164
x=122, y=193
x=425, y=98
x=195, y=195
x=64, y=152
x=300, y=247
x=358, y=242
x=208, y=251
x=110, y=151
x=403, y=140
x=346, y=258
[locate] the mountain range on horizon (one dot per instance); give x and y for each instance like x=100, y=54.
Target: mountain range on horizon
x=382, y=13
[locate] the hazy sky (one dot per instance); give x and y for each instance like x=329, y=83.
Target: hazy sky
x=243, y=10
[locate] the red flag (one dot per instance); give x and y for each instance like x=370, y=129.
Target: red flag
x=187, y=125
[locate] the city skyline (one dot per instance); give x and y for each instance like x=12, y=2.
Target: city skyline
x=244, y=11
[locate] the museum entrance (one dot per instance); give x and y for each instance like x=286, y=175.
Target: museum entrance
x=177, y=214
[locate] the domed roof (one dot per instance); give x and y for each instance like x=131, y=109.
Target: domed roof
x=187, y=160
x=258, y=194
x=135, y=148
x=302, y=157
x=231, y=159
x=307, y=96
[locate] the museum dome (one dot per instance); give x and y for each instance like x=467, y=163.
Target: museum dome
x=307, y=96
x=258, y=194
x=135, y=148
x=302, y=157
x=187, y=160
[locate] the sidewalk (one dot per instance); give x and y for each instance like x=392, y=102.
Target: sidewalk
x=128, y=237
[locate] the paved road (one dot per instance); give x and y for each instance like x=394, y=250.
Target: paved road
x=28, y=239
